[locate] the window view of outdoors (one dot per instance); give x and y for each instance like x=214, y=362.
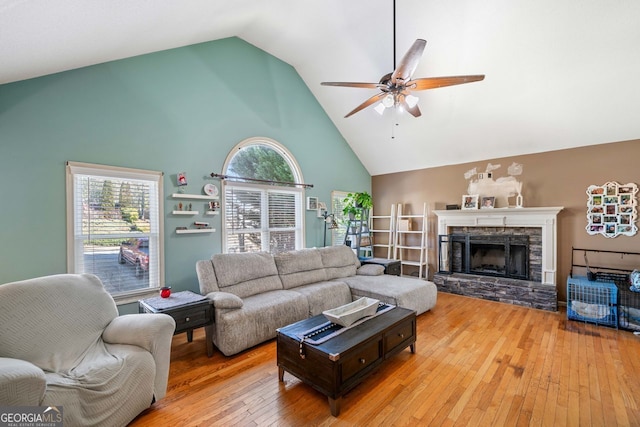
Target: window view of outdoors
x=260, y=162
x=113, y=228
x=260, y=218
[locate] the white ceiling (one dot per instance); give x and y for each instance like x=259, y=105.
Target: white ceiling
x=559, y=74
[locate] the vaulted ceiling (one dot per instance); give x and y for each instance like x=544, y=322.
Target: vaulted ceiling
x=559, y=74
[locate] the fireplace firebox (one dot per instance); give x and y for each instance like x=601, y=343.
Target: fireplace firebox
x=485, y=255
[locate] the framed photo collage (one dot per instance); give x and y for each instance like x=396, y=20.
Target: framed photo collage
x=612, y=209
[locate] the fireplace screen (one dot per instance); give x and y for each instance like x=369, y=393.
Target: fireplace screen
x=487, y=255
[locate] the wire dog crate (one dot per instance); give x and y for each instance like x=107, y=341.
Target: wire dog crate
x=593, y=302
x=628, y=307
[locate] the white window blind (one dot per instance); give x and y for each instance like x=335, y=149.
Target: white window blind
x=261, y=218
x=114, y=226
x=337, y=204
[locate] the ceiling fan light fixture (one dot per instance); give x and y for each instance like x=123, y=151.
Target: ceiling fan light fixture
x=389, y=101
x=411, y=100
x=380, y=108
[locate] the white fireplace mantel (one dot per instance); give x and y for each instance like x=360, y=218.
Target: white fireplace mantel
x=544, y=218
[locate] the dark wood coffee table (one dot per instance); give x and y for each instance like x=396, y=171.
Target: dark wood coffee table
x=339, y=364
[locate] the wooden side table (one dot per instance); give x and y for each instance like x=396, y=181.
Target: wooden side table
x=188, y=309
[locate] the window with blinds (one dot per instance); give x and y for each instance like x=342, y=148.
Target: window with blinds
x=114, y=226
x=337, y=204
x=262, y=218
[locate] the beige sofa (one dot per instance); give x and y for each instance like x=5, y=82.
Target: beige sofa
x=62, y=343
x=256, y=293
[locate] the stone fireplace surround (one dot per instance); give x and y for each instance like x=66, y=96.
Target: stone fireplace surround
x=539, y=223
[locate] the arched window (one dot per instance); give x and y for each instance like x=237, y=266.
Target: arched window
x=262, y=216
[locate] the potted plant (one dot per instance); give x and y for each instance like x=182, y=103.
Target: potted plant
x=355, y=202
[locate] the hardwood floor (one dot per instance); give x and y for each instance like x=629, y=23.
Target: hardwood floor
x=477, y=363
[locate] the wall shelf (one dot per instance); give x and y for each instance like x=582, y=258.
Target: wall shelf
x=196, y=230
x=193, y=196
x=185, y=212
x=212, y=213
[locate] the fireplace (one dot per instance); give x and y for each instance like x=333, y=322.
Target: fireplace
x=505, y=255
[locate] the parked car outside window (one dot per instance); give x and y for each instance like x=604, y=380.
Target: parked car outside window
x=135, y=251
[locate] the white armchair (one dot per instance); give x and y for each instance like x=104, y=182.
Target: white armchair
x=62, y=343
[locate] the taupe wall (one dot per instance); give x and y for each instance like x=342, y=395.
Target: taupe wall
x=557, y=178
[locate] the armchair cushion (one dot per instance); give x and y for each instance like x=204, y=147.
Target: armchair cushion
x=21, y=383
x=152, y=332
x=53, y=319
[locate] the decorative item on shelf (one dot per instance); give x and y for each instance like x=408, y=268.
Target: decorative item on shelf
x=519, y=201
x=213, y=207
x=200, y=224
x=180, y=206
x=453, y=207
x=165, y=291
x=501, y=188
x=612, y=209
x=312, y=203
x=488, y=202
x=181, y=179
x=210, y=190
x=469, y=201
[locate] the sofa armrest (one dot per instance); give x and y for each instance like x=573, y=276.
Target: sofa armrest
x=153, y=332
x=225, y=300
x=370, y=270
x=21, y=383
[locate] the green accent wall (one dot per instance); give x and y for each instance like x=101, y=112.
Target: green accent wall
x=180, y=110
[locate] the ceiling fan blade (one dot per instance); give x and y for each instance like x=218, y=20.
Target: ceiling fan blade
x=352, y=84
x=436, y=82
x=409, y=62
x=366, y=103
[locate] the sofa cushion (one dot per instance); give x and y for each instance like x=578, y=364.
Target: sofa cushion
x=370, y=270
x=339, y=261
x=206, y=277
x=257, y=320
x=297, y=268
x=323, y=296
x=225, y=300
x=246, y=274
x=414, y=294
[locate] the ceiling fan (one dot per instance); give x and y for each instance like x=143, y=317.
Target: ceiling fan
x=396, y=87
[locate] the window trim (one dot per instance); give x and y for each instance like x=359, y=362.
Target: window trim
x=79, y=168
x=297, y=177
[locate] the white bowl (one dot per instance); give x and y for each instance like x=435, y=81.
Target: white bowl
x=348, y=314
